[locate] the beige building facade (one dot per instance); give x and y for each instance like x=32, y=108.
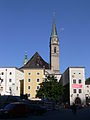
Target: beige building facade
x=32, y=79
x=34, y=72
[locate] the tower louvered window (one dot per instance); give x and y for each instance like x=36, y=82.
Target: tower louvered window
x=54, y=49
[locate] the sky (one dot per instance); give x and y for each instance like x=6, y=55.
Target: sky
x=26, y=25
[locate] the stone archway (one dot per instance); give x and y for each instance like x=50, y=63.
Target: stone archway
x=77, y=100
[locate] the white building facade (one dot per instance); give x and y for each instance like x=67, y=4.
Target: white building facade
x=74, y=81
x=10, y=80
x=87, y=90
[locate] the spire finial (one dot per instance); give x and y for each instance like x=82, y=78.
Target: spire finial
x=26, y=59
x=54, y=13
x=54, y=31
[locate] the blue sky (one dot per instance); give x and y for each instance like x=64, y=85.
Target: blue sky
x=25, y=25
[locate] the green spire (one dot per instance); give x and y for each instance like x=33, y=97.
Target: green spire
x=26, y=59
x=54, y=31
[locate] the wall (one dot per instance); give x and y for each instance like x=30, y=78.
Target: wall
x=77, y=73
x=6, y=84
x=33, y=76
x=15, y=75
x=19, y=75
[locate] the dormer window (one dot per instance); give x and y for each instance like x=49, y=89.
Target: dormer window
x=54, y=49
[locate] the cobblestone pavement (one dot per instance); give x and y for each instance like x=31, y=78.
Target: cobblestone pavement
x=65, y=114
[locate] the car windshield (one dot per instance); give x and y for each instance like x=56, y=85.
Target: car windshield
x=9, y=106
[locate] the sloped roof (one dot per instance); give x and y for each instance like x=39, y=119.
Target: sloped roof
x=36, y=62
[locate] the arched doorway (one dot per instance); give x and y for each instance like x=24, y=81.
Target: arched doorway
x=77, y=100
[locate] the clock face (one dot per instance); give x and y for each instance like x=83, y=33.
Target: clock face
x=54, y=41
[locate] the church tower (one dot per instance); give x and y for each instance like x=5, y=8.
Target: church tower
x=54, y=50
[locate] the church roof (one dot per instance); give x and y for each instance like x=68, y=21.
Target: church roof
x=36, y=62
x=54, y=31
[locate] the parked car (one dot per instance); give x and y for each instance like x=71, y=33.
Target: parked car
x=36, y=109
x=50, y=105
x=6, y=99
x=16, y=109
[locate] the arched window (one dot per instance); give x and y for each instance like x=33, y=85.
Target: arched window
x=54, y=49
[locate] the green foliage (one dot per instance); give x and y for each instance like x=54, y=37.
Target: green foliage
x=87, y=81
x=50, y=89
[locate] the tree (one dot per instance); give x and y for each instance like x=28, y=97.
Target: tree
x=50, y=88
x=87, y=81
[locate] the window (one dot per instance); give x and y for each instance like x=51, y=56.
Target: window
x=1, y=88
x=87, y=91
x=73, y=73
x=10, y=80
x=74, y=90
x=38, y=73
x=79, y=81
x=29, y=73
x=28, y=80
x=10, y=73
x=87, y=86
x=10, y=88
x=28, y=95
x=54, y=49
x=80, y=91
x=16, y=88
x=74, y=81
x=79, y=73
x=37, y=64
x=37, y=80
x=37, y=87
x=1, y=80
x=28, y=87
x=2, y=73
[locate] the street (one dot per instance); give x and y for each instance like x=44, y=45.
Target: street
x=82, y=114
